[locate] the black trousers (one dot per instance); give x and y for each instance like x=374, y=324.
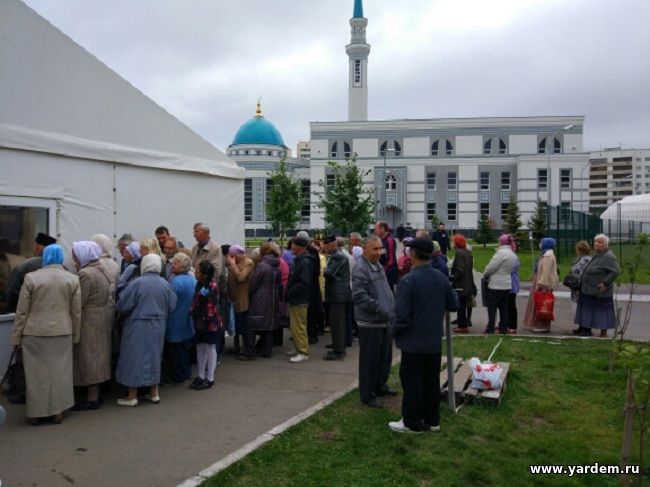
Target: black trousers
x=420, y=377
x=315, y=320
x=349, y=323
x=498, y=299
x=512, y=311
x=462, y=311
x=336, y=321
x=371, y=345
x=177, y=360
x=266, y=342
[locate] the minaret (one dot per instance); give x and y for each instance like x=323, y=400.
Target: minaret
x=358, y=51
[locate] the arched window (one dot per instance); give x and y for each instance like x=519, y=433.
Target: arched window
x=487, y=147
x=258, y=153
x=384, y=148
x=545, y=145
x=449, y=148
x=391, y=182
x=434, y=148
x=557, y=146
x=333, y=150
x=347, y=151
x=502, y=147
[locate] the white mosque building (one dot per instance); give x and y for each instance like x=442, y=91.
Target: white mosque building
x=455, y=168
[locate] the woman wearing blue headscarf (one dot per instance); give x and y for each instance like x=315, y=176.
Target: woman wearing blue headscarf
x=47, y=323
x=545, y=278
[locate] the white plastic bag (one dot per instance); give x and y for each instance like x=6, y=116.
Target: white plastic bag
x=485, y=376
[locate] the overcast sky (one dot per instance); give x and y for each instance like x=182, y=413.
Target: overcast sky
x=207, y=61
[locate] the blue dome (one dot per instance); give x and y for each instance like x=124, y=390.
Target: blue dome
x=258, y=130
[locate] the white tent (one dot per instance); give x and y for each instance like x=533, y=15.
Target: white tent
x=628, y=217
x=93, y=153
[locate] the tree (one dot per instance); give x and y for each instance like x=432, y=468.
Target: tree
x=348, y=205
x=484, y=234
x=285, y=199
x=512, y=223
x=537, y=222
x=435, y=221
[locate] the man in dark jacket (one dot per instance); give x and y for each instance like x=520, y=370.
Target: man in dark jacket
x=337, y=293
x=442, y=238
x=423, y=297
x=373, y=310
x=389, y=257
x=298, y=295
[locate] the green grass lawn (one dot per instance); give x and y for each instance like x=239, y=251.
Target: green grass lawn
x=482, y=257
x=561, y=407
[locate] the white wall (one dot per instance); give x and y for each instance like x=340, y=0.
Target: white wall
x=319, y=149
x=416, y=146
x=366, y=147
x=522, y=144
x=572, y=143
x=469, y=145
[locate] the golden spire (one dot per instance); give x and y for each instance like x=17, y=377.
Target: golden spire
x=258, y=112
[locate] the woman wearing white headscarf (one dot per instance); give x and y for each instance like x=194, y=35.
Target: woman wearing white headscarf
x=46, y=325
x=146, y=302
x=92, y=355
x=106, y=259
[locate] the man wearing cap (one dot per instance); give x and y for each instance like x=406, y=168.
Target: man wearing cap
x=32, y=264
x=298, y=295
x=423, y=297
x=373, y=310
x=337, y=293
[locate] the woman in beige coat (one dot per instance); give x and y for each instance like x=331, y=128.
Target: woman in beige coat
x=240, y=269
x=545, y=278
x=92, y=355
x=47, y=323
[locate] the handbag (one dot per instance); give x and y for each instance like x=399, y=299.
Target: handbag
x=13, y=381
x=572, y=282
x=544, y=302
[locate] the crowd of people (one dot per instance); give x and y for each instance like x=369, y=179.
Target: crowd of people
x=142, y=322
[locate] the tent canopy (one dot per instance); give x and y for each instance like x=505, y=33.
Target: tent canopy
x=631, y=208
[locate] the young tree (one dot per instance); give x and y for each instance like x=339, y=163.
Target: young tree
x=512, y=223
x=348, y=205
x=435, y=221
x=285, y=200
x=537, y=222
x=484, y=234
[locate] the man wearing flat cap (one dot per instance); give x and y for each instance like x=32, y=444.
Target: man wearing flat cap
x=337, y=294
x=423, y=297
x=32, y=264
x=298, y=295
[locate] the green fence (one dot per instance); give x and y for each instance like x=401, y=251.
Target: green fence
x=568, y=227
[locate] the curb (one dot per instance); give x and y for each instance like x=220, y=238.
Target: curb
x=251, y=446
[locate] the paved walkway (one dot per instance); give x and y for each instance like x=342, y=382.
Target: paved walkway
x=162, y=445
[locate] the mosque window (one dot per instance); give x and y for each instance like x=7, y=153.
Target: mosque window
x=390, y=148
x=485, y=180
x=485, y=209
x=505, y=180
x=431, y=211
x=347, y=150
x=306, y=200
x=245, y=152
x=557, y=146
x=330, y=181
x=391, y=182
x=434, y=148
x=545, y=145
x=333, y=151
x=487, y=147
x=431, y=181
x=357, y=72
x=502, y=147
x=248, y=199
x=258, y=153
x=449, y=148
x=452, y=181
x=398, y=148
x=451, y=211
x=542, y=178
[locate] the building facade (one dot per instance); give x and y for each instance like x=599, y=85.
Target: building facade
x=455, y=168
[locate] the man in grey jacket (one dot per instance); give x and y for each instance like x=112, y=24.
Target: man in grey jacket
x=337, y=293
x=373, y=310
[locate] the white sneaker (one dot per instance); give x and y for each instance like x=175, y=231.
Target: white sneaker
x=400, y=427
x=299, y=357
x=292, y=352
x=434, y=429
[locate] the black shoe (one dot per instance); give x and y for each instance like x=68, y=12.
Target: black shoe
x=387, y=392
x=195, y=383
x=248, y=358
x=205, y=384
x=313, y=340
x=332, y=355
x=86, y=406
x=489, y=331
x=576, y=331
x=329, y=345
x=585, y=332
x=454, y=322
x=469, y=323
x=374, y=403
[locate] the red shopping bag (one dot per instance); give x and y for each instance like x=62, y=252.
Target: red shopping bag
x=544, y=302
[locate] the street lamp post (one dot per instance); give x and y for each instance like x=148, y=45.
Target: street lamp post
x=550, y=147
x=383, y=183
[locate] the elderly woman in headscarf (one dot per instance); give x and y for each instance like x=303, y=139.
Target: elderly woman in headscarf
x=462, y=276
x=240, y=269
x=132, y=255
x=106, y=259
x=596, y=299
x=47, y=323
x=544, y=279
x=147, y=302
x=92, y=355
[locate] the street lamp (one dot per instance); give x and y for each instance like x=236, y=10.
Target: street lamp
x=550, y=147
x=383, y=192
